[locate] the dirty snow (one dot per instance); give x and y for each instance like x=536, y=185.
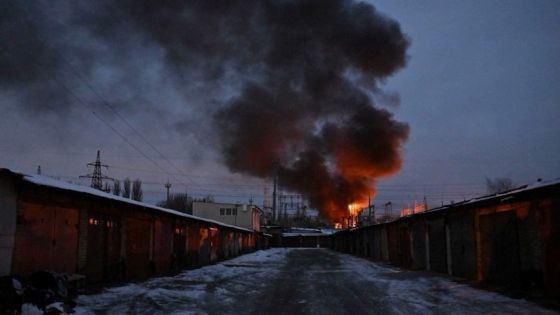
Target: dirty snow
x=302, y=281
x=190, y=292
x=415, y=292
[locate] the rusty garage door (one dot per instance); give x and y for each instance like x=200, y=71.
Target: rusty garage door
x=179, y=245
x=499, y=248
x=46, y=238
x=138, y=253
x=103, y=247
x=163, y=237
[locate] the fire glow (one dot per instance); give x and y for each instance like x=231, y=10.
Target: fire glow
x=322, y=134
x=282, y=89
x=353, y=211
x=301, y=108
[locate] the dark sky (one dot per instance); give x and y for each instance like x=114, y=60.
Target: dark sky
x=479, y=93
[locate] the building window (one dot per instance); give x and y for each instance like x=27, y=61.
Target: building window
x=222, y=210
x=228, y=211
x=234, y=211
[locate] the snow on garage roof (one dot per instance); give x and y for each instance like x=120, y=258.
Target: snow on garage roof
x=46, y=181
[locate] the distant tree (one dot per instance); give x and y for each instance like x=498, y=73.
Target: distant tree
x=207, y=199
x=107, y=188
x=116, y=187
x=498, y=185
x=126, y=188
x=180, y=202
x=137, y=190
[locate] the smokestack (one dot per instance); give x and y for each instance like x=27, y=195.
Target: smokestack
x=274, y=194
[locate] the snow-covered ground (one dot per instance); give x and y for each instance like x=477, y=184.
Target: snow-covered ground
x=414, y=292
x=302, y=281
x=192, y=291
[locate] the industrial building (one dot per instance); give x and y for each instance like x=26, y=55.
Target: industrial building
x=242, y=215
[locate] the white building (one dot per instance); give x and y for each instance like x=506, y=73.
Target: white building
x=246, y=216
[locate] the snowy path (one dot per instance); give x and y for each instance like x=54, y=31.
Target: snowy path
x=301, y=281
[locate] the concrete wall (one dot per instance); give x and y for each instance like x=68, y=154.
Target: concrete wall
x=8, y=203
x=309, y=241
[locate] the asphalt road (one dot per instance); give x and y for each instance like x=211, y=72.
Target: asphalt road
x=316, y=282
x=302, y=281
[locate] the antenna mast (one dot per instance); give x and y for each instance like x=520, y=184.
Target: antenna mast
x=167, y=186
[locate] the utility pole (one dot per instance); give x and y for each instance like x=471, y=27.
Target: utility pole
x=167, y=187
x=371, y=209
x=274, y=192
x=266, y=197
x=97, y=177
x=298, y=206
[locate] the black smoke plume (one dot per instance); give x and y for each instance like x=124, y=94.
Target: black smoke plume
x=290, y=80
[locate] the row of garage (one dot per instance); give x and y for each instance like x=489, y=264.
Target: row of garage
x=50, y=225
x=505, y=240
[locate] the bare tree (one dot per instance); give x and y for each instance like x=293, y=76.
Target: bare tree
x=137, y=190
x=498, y=185
x=116, y=187
x=180, y=202
x=107, y=188
x=126, y=188
x=207, y=199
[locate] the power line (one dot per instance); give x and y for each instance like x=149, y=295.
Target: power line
x=43, y=42
x=404, y=196
x=116, y=112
